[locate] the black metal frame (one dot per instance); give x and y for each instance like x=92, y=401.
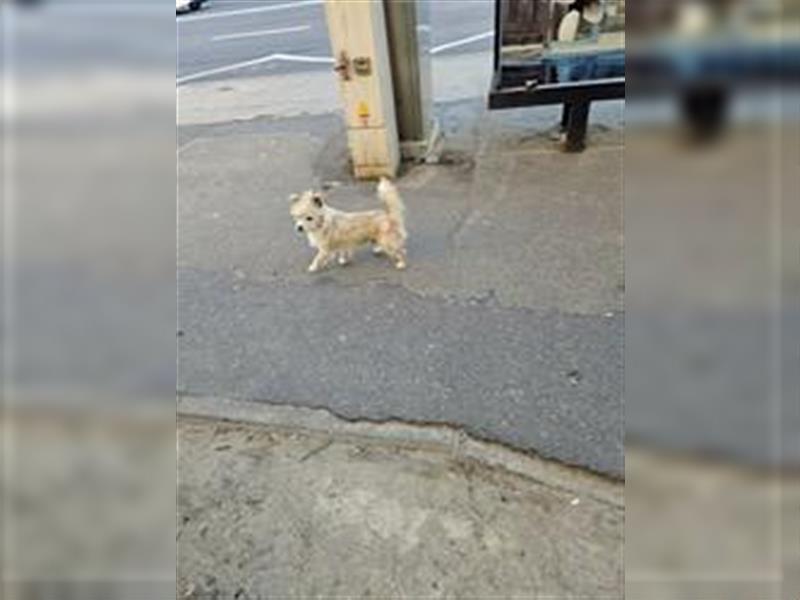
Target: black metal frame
x=516, y=85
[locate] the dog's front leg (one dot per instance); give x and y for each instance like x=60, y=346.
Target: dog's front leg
x=345, y=256
x=320, y=260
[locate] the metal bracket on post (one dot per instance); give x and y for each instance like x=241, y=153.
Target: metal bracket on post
x=342, y=66
x=362, y=65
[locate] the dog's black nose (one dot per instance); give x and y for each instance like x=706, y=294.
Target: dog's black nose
x=300, y=228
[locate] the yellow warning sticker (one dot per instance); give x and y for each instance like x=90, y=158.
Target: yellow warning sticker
x=362, y=110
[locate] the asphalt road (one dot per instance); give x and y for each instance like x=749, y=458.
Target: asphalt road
x=231, y=38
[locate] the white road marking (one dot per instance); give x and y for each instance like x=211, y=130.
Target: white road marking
x=462, y=42
x=256, y=61
x=299, y=58
x=248, y=11
x=263, y=32
x=312, y=59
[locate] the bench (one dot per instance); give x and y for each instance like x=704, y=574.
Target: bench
x=519, y=82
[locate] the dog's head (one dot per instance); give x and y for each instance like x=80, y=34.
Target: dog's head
x=308, y=211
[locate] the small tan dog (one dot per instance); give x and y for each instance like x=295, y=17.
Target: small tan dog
x=335, y=233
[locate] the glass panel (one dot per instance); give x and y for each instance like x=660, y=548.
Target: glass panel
x=570, y=40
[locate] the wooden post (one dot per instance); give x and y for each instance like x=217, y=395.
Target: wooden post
x=358, y=40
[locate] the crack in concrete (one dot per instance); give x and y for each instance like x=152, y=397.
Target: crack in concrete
x=474, y=214
x=446, y=437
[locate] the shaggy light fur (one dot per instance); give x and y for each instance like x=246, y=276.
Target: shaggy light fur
x=335, y=233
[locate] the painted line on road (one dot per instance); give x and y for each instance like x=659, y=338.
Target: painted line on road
x=462, y=42
x=248, y=11
x=308, y=59
x=263, y=32
x=313, y=59
x=256, y=61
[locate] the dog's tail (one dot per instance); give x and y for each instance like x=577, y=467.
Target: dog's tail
x=391, y=198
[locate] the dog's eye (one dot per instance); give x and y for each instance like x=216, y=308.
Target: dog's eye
x=309, y=218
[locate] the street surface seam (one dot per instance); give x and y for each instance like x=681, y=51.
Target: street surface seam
x=442, y=436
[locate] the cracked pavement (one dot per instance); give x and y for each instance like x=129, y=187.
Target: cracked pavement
x=358, y=517
x=508, y=322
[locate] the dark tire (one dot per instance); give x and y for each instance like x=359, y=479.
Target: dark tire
x=195, y=5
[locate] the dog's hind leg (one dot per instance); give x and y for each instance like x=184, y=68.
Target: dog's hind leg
x=398, y=255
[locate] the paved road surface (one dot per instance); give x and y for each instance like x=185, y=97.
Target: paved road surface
x=229, y=39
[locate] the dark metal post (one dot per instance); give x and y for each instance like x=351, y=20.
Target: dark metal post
x=565, y=115
x=576, y=126
x=498, y=35
x=411, y=75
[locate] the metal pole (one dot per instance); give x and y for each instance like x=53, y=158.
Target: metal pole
x=411, y=72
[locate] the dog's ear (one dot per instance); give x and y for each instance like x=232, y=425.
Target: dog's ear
x=294, y=198
x=317, y=200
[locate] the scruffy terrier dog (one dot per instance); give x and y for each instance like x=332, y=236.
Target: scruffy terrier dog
x=335, y=233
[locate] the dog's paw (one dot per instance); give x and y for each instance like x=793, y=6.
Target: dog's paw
x=312, y=268
x=377, y=250
x=343, y=260
x=400, y=264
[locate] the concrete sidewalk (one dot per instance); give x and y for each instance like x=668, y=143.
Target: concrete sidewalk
x=507, y=323
x=363, y=511
x=314, y=92
x=379, y=414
